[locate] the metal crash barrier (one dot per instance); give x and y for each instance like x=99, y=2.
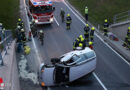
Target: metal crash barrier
x=5, y=41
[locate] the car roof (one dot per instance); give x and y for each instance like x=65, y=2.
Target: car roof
x=67, y=56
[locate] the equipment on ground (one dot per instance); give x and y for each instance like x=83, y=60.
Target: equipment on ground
x=27, y=49
x=113, y=36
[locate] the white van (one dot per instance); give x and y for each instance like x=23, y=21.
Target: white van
x=68, y=67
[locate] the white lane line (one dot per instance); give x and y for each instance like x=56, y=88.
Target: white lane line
x=118, y=54
x=99, y=81
x=36, y=50
x=98, y=36
x=56, y=21
x=48, y=88
x=34, y=43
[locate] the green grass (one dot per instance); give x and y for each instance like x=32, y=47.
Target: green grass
x=101, y=9
x=9, y=11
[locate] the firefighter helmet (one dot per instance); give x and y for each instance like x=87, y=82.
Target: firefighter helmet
x=18, y=27
x=19, y=19
x=106, y=20
x=68, y=14
x=92, y=28
x=80, y=44
x=129, y=28
x=22, y=30
x=87, y=25
x=41, y=31
x=81, y=36
x=82, y=39
x=0, y=24
x=90, y=43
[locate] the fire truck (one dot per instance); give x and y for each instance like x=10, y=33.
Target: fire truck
x=41, y=11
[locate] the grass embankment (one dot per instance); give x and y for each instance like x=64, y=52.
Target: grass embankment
x=9, y=11
x=101, y=9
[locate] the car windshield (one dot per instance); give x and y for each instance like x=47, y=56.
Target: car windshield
x=41, y=9
x=85, y=57
x=72, y=60
x=89, y=54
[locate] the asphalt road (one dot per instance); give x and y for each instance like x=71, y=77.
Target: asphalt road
x=112, y=72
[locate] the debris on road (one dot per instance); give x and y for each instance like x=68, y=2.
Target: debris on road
x=113, y=36
x=24, y=74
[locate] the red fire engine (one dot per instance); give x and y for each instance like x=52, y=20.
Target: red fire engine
x=41, y=11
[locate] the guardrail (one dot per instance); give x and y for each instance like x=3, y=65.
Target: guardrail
x=5, y=41
x=124, y=16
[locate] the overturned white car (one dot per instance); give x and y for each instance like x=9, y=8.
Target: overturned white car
x=68, y=67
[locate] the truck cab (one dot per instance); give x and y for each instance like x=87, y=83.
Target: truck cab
x=41, y=11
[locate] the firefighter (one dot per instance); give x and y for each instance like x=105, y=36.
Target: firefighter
x=22, y=32
x=29, y=35
x=19, y=47
x=92, y=33
x=91, y=44
x=79, y=47
x=18, y=29
x=20, y=22
x=3, y=32
x=62, y=14
x=23, y=37
x=77, y=41
x=33, y=28
x=68, y=21
x=106, y=25
x=24, y=40
x=79, y=38
x=41, y=34
x=86, y=13
x=129, y=42
x=126, y=42
x=75, y=44
x=32, y=23
x=86, y=32
x=128, y=31
x=83, y=42
x=1, y=26
x=18, y=33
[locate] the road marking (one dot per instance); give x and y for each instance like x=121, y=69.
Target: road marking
x=24, y=73
x=99, y=81
x=99, y=38
x=118, y=54
x=56, y=21
x=34, y=43
x=48, y=88
x=98, y=35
